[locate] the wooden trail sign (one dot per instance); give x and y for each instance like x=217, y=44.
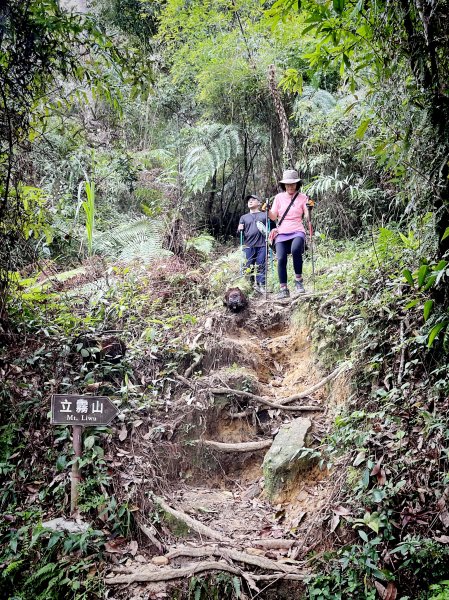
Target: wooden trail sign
x=69, y=409
x=78, y=412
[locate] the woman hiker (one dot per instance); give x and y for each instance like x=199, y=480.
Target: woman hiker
x=289, y=208
x=253, y=225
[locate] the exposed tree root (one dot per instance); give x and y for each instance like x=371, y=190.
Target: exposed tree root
x=266, y=402
x=335, y=373
x=193, y=366
x=150, y=531
x=191, y=522
x=234, y=555
x=237, y=447
x=271, y=544
x=168, y=574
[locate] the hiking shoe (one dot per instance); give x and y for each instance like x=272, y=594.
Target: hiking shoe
x=284, y=293
x=299, y=287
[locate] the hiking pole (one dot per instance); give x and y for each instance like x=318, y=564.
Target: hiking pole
x=241, y=253
x=310, y=205
x=267, y=230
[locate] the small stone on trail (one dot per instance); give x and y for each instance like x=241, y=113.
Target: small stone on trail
x=160, y=560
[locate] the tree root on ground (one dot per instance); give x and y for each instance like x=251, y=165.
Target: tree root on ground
x=280, y=570
x=234, y=555
x=193, y=366
x=335, y=373
x=191, y=522
x=168, y=574
x=266, y=402
x=237, y=447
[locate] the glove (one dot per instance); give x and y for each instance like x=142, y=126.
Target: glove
x=266, y=205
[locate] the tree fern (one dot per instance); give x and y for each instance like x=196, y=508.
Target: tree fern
x=312, y=100
x=141, y=238
x=212, y=146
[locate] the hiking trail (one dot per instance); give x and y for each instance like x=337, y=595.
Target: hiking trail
x=195, y=466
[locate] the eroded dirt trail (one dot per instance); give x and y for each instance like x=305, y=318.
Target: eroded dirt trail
x=263, y=353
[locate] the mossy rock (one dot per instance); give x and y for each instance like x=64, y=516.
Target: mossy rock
x=282, y=463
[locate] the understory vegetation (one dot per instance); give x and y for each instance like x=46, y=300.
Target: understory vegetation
x=131, y=133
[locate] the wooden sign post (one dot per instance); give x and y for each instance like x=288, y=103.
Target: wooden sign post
x=79, y=412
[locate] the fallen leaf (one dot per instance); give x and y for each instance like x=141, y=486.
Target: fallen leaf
x=133, y=547
x=123, y=433
x=341, y=510
x=381, y=477
x=117, y=546
x=297, y=520
x=359, y=459
x=443, y=539
x=376, y=468
x=334, y=523
x=444, y=517
x=386, y=593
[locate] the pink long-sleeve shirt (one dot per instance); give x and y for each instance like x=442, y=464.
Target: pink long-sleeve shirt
x=293, y=220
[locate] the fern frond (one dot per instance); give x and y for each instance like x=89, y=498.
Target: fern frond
x=213, y=145
x=141, y=238
x=203, y=243
x=313, y=99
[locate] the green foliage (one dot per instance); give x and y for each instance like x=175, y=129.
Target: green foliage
x=88, y=207
x=440, y=591
x=222, y=585
x=203, y=244
x=141, y=238
x=215, y=145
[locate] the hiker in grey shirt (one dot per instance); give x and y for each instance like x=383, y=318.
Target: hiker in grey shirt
x=253, y=225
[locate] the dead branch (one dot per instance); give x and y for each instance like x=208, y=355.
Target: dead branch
x=265, y=401
x=150, y=532
x=185, y=381
x=289, y=576
x=301, y=297
x=237, y=447
x=306, y=393
x=271, y=544
x=191, y=522
x=193, y=366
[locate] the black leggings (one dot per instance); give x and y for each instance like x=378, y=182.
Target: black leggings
x=295, y=247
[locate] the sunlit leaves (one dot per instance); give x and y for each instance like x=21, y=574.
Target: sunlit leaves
x=361, y=130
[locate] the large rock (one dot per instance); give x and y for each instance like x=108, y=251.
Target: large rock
x=281, y=463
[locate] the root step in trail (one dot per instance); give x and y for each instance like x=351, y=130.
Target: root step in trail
x=233, y=525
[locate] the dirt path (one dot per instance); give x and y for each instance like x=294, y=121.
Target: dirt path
x=262, y=351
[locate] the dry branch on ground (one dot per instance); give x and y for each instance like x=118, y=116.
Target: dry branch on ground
x=237, y=447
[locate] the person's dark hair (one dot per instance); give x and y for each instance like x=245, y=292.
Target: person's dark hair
x=298, y=186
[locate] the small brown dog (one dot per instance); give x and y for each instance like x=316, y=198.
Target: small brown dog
x=235, y=299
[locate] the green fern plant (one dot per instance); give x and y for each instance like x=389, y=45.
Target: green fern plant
x=139, y=239
x=203, y=244
x=213, y=145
